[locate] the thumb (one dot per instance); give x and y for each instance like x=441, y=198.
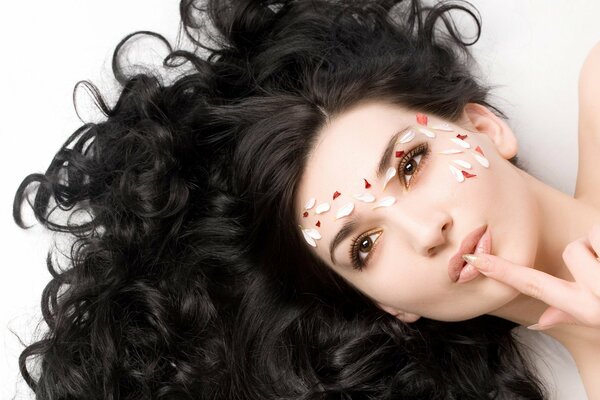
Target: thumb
x=554, y=316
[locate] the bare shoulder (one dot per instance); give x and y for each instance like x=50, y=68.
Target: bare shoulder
x=588, y=173
x=589, y=83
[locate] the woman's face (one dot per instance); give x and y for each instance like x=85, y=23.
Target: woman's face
x=402, y=240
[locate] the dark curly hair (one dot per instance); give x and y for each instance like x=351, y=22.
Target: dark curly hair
x=190, y=280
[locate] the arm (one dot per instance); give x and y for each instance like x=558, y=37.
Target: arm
x=588, y=177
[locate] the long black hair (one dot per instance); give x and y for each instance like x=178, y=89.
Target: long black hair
x=190, y=279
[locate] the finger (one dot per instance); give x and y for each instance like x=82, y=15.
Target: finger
x=531, y=282
x=553, y=316
x=580, y=259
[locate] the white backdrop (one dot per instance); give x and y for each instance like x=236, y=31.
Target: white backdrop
x=531, y=50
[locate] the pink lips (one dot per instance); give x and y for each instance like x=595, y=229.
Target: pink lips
x=473, y=241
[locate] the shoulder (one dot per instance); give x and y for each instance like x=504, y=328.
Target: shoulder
x=589, y=87
x=588, y=174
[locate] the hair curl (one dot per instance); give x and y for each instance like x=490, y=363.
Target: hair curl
x=190, y=279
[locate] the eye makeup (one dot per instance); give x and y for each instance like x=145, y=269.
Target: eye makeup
x=421, y=150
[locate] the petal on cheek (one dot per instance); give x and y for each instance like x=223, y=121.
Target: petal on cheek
x=463, y=164
x=461, y=143
x=482, y=160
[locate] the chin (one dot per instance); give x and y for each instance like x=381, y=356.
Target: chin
x=487, y=297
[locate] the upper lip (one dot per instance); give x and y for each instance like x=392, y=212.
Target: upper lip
x=466, y=247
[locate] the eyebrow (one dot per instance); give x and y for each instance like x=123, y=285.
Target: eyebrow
x=350, y=224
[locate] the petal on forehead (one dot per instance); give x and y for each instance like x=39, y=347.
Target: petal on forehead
x=390, y=173
x=365, y=197
x=344, y=211
x=321, y=208
x=427, y=133
x=385, y=202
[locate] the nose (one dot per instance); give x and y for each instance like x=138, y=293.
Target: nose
x=427, y=233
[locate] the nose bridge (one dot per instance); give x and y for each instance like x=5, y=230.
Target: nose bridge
x=424, y=227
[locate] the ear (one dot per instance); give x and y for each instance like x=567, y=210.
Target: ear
x=479, y=118
x=401, y=315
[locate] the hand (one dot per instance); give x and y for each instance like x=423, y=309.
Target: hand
x=570, y=302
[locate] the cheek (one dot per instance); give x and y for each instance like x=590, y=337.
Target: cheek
x=465, y=159
x=401, y=281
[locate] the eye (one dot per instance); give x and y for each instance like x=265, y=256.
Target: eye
x=363, y=248
x=411, y=162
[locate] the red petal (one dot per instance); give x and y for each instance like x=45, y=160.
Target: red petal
x=399, y=154
x=367, y=184
x=305, y=214
x=318, y=224
x=467, y=175
x=478, y=149
x=461, y=137
x=422, y=119
x=336, y=194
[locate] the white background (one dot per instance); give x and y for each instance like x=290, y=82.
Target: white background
x=531, y=50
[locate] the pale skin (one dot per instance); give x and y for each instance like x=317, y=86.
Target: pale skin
x=545, y=257
x=572, y=304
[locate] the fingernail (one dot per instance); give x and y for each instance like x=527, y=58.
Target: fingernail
x=538, y=327
x=475, y=261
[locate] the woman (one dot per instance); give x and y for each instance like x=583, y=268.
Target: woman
x=201, y=194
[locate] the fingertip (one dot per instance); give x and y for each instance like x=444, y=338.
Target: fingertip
x=479, y=262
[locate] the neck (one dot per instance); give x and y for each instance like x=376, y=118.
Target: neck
x=563, y=219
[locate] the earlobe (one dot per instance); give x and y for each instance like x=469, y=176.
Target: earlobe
x=401, y=315
x=407, y=317
x=480, y=119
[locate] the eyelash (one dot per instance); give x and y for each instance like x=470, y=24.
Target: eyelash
x=421, y=149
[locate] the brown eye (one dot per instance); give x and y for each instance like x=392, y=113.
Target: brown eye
x=410, y=167
x=362, y=249
x=365, y=245
x=410, y=164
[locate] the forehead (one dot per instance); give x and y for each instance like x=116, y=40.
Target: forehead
x=344, y=158
x=349, y=146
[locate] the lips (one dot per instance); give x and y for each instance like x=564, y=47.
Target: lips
x=468, y=246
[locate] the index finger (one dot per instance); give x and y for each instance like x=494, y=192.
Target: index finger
x=531, y=282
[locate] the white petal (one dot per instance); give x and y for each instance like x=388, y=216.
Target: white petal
x=407, y=137
x=310, y=203
x=456, y=172
x=389, y=174
x=313, y=233
x=451, y=151
x=463, y=164
x=344, y=211
x=385, y=202
x=443, y=127
x=427, y=133
x=321, y=208
x=461, y=142
x=482, y=160
x=366, y=197
x=308, y=239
